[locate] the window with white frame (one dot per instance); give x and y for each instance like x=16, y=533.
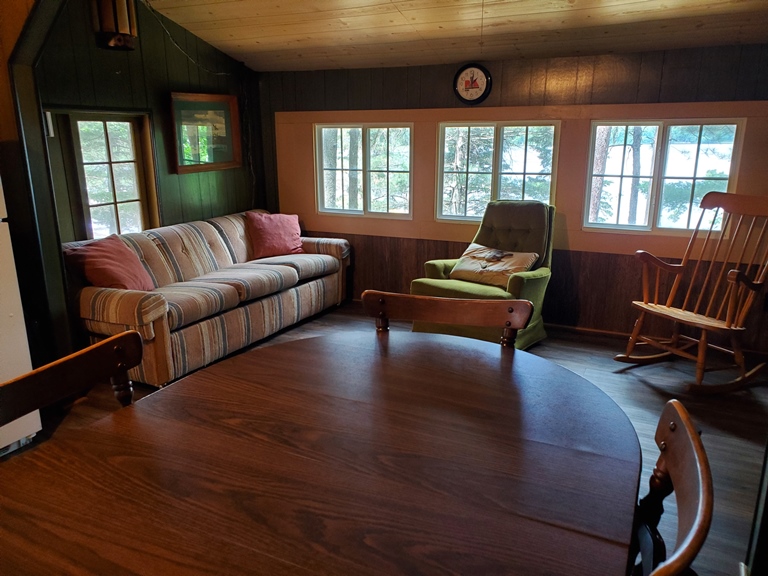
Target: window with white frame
x=493, y=161
x=654, y=174
x=364, y=169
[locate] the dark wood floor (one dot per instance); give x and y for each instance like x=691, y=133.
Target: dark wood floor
x=734, y=426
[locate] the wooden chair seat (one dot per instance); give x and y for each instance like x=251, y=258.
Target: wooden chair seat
x=686, y=316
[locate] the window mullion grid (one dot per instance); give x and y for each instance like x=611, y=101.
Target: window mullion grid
x=386, y=175
x=498, y=144
x=365, y=176
x=693, y=180
x=525, y=163
x=466, y=170
x=341, y=164
x=111, y=172
x=621, y=173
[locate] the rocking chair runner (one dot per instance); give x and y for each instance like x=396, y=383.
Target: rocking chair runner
x=713, y=287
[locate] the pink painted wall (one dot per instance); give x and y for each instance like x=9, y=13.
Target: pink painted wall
x=296, y=177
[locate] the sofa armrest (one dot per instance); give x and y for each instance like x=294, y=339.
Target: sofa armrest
x=337, y=247
x=439, y=269
x=530, y=285
x=127, y=307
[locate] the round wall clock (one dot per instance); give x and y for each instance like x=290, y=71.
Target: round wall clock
x=472, y=84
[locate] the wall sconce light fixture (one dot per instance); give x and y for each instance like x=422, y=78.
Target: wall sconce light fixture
x=115, y=23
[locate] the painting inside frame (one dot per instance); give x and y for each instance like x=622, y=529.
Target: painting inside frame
x=206, y=132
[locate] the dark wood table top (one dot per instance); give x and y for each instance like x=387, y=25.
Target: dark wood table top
x=347, y=454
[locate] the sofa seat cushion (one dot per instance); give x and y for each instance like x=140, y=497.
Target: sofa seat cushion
x=191, y=301
x=253, y=280
x=306, y=265
x=457, y=289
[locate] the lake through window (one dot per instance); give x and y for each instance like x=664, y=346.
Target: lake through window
x=656, y=172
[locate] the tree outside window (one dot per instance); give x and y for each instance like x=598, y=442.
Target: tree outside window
x=109, y=167
x=493, y=161
x=364, y=169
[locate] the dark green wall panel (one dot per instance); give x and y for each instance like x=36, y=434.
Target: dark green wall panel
x=74, y=74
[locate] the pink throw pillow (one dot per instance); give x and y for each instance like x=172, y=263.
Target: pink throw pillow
x=109, y=263
x=273, y=234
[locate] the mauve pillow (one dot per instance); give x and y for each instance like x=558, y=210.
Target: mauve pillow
x=108, y=263
x=273, y=234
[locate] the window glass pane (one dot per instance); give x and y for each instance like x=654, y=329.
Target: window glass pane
x=103, y=222
x=641, y=150
x=120, y=141
x=537, y=188
x=126, y=186
x=541, y=141
x=604, y=200
x=353, y=197
x=675, y=203
x=399, y=192
x=478, y=194
x=622, y=163
x=93, y=143
x=377, y=148
x=633, y=205
x=378, y=191
x=331, y=148
x=681, y=151
x=513, y=149
x=332, y=189
x=613, y=162
x=454, y=194
x=481, y=149
x=98, y=183
x=716, y=151
x=129, y=215
x=511, y=187
x=455, y=149
x=400, y=149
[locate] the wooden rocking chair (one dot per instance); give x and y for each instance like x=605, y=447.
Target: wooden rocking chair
x=713, y=288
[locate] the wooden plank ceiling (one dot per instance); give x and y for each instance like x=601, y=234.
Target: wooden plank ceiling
x=271, y=35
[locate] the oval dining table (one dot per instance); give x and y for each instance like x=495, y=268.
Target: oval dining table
x=348, y=454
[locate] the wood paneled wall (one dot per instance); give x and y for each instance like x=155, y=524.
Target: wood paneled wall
x=73, y=74
x=588, y=290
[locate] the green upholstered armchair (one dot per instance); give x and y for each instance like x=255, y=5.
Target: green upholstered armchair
x=510, y=225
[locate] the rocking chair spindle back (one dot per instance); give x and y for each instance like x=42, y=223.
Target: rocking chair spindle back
x=713, y=286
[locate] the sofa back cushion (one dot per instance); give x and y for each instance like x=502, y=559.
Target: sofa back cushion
x=235, y=234
x=190, y=249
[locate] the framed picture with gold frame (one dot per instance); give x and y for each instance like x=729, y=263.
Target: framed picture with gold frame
x=206, y=132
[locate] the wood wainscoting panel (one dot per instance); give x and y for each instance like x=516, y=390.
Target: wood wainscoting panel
x=590, y=291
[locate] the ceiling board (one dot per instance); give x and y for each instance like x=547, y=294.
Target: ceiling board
x=270, y=35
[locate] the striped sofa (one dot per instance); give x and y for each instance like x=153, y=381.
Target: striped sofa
x=210, y=298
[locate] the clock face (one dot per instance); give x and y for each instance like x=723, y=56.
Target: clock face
x=472, y=84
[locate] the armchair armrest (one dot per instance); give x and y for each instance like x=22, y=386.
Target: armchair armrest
x=530, y=285
x=439, y=269
x=127, y=307
x=337, y=247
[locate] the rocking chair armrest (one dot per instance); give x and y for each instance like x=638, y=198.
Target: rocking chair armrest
x=738, y=277
x=648, y=258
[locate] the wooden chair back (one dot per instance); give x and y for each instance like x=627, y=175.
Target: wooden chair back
x=509, y=315
x=682, y=467
x=729, y=243
x=107, y=359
